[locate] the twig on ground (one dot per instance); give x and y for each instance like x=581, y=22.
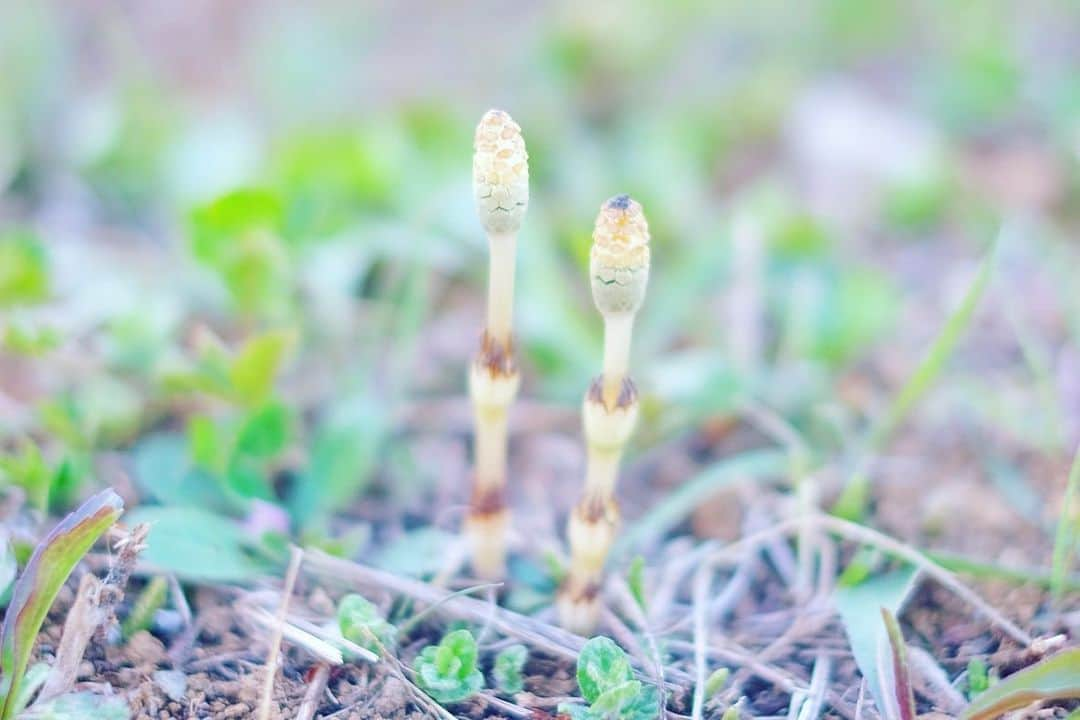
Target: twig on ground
x=934, y=683
x=819, y=684
x=678, y=565
x=83, y=619
x=310, y=704
x=295, y=556
x=127, y=548
x=507, y=708
x=867, y=536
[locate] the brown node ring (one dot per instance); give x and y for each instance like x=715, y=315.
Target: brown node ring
x=487, y=501
x=496, y=358
x=628, y=394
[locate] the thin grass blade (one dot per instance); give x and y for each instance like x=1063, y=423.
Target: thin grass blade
x=49, y=567
x=1065, y=538
x=1054, y=678
x=853, y=501
x=901, y=670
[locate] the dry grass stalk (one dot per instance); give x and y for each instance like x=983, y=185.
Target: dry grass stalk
x=501, y=189
x=267, y=698
x=619, y=273
x=92, y=612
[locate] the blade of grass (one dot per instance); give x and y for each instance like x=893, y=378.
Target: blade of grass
x=1065, y=538
x=854, y=499
x=1054, y=678
x=982, y=570
x=49, y=567
x=859, y=608
x=901, y=671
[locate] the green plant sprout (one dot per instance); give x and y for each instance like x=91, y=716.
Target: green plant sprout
x=608, y=686
x=501, y=189
x=447, y=671
x=619, y=272
x=360, y=622
x=978, y=677
x=508, y=667
x=150, y=600
x=48, y=569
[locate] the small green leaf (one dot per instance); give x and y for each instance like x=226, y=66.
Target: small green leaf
x=79, y=706
x=646, y=706
x=197, y=545
x=216, y=226
x=265, y=432
x=27, y=469
x=253, y=371
x=1053, y=678
x=447, y=671
x=978, y=677
x=361, y=623
x=509, y=664
x=49, y=567
x=162, y=471
x=611, y=702
x=24, y=274
x=601, y=666
x=343, y=455
x=716, y=681
x=150, y=600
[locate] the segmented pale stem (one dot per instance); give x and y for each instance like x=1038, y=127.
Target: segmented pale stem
x=501, y=190
x=619, y=271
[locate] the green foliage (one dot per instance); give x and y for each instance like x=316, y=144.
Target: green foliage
x=29, y=341
x=361, y=623
x=716, y=681
x=978, y=677
x=27, y=468
x=509, y=664
x=238, y=235
x=343, y=454
x=150, y=600
x=254, y=369
x=447, y=671
x=198, y=545
x=24, y=271
x=9, y=568
x=1053, y=678
x=902, y=690
x=608, y=686
x=860, y=607
x=331, y=176
x=52, y=561
x=635, y=579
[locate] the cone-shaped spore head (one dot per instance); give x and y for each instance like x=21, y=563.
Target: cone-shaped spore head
x=619, y=262
x=500, y=173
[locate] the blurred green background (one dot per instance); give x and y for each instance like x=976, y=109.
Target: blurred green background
x=239, y=249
